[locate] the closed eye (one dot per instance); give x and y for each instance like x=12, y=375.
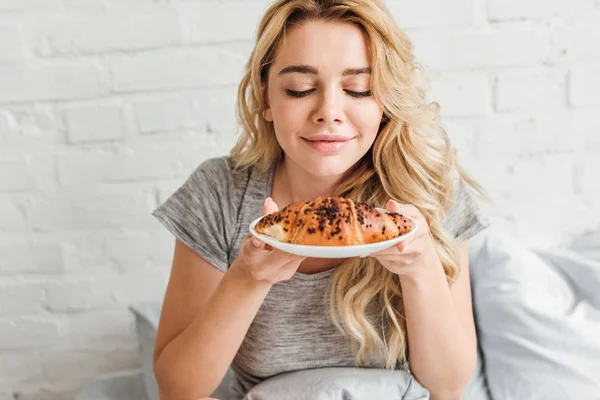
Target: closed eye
x=359, y=94
x=294, y=93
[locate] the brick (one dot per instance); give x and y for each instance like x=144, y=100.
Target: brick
x=167, y=189
x=535, y=177
x=207, y=145
x=30, y=170
x=35, y=257
x=88, y=250
x=587, y=127
x=11, y=216
x=448, y=50
x=104, y=250
x=93, y=123
x=27, y=332
x=160, y=247
x=46, y=394
x=432, y=13
x=19, y=367
x=461, y=135
x=38, y=83
x=587, y=169
x=29, y=5
x=134, y=250
x=529, y=90
x=32, y=121
x=545, y=181
x=87, y=5
x=106, y=4
x=125, y=165
x=9, y=127
x=90, y=328
x=10, y=44
x=79, y=295
x=129, y=250
x=164, y=114
x=213, y=22
x=216, y=109
x=177, y=68
x=584, y=86
x=20, y=299
x=461, y=94
x=97, y=208
x=568, y=46
x=526, y=134
x=535, y=133
x=97, y=33
x=499, y=10
x=87, y=364
x=15, y=174
x=133, y=290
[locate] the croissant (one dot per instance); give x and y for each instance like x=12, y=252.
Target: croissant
x=333, y=221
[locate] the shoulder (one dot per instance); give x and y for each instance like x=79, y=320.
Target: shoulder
x=219, y=174
x=214, y=168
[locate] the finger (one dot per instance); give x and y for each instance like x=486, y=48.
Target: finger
x=270, y=206
x=406, y=243
x=385, y=252
x=403, y=246
x=405, y=209
x=254, y=248
x=278, y=258
x=289, y=269
x=393, y=205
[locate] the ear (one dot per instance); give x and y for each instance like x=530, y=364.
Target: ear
x=267, y=114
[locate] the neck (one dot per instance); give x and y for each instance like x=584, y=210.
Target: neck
x=300, y=185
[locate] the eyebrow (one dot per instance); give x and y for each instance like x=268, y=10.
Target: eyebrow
x=307, y=69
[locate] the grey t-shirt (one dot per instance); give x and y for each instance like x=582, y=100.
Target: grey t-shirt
x=292, y=330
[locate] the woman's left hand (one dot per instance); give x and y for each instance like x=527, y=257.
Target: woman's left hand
x=413, y=254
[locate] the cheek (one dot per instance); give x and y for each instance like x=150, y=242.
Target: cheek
x=367, y=118
x=288, y=115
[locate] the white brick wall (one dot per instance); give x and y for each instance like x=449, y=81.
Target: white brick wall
x=106, y=106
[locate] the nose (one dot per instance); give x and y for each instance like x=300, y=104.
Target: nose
x=330, y=109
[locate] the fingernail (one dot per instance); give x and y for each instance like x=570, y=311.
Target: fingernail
x=267, y=199
x=256, y=242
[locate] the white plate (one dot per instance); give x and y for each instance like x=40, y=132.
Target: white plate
x=332, y=251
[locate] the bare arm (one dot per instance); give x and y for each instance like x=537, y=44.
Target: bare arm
x=206, y=314
x=204, y=319
x=441, y=331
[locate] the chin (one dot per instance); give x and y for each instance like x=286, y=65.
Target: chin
x=327, y=166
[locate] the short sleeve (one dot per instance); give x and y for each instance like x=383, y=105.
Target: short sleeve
x=466, y=217
x=201, y=213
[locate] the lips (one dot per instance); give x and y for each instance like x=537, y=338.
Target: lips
x=327, y=138
x=327, y=144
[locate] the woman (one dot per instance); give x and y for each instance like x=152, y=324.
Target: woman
x=330, y=105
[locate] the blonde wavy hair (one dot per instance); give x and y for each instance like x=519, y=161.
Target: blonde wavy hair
x=411, y=161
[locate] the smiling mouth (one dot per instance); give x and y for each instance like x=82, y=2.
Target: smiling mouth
x=328, y=141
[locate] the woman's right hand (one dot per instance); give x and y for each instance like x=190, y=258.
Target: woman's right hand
x=264, y=263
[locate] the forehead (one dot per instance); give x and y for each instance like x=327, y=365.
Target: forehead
x=330, y=46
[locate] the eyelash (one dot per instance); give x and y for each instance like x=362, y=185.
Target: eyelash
x=294, y=93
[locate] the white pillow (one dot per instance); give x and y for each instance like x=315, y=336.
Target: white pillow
x=338, y=383
x=538, y=320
